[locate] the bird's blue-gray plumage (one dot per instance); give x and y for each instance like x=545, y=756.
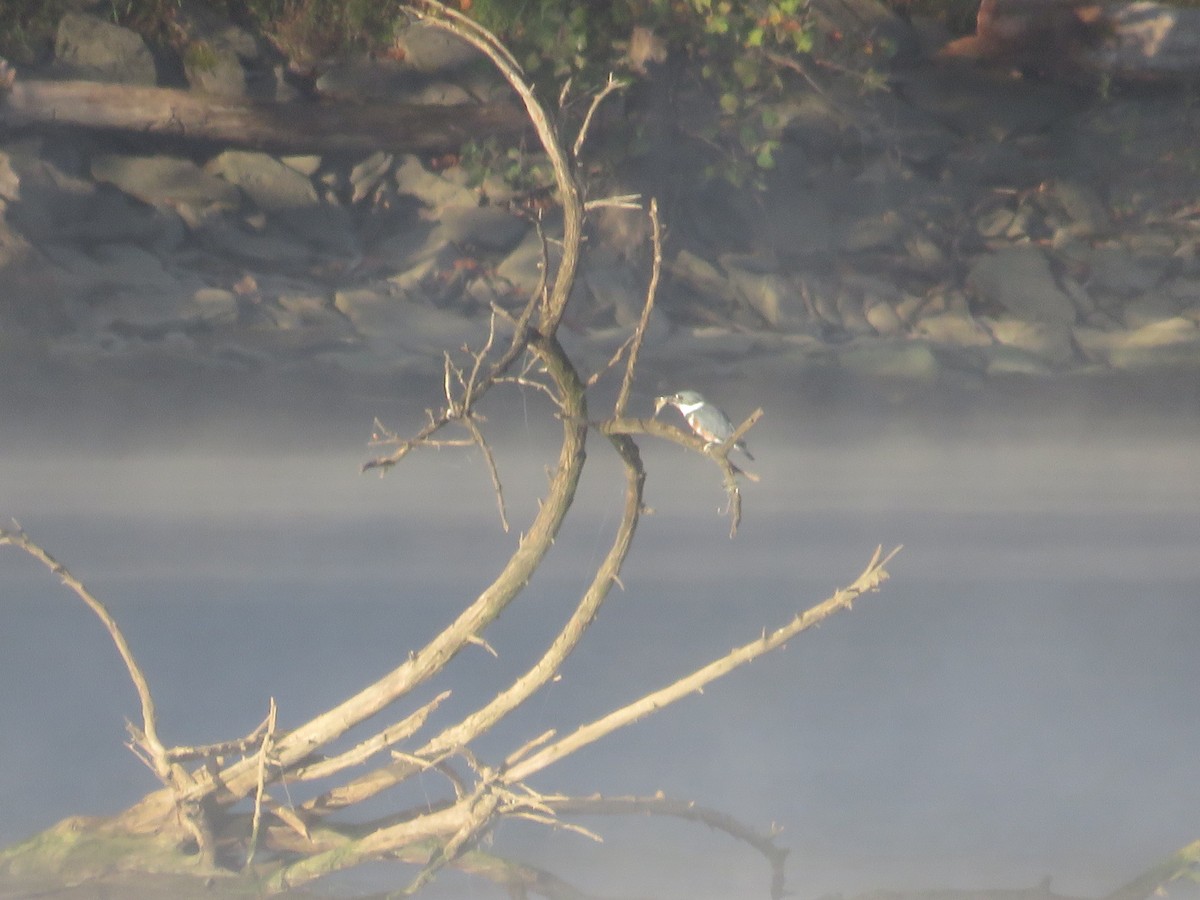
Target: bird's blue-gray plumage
x=705, y=419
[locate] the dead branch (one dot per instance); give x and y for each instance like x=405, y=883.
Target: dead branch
x=611, y=86
x=459, y=25
x=147, y=736
x=874, y=575
x=363, y=751
x=542, y=671
x=261, y=788
x=639, y=333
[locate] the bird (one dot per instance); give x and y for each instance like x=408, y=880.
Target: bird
x=705, y=419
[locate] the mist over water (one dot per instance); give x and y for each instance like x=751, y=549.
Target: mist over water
x=1019, y=701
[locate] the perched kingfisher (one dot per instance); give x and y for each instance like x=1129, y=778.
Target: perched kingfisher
x=705, y=419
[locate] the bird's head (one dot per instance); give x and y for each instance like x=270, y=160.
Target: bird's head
x=679, y=400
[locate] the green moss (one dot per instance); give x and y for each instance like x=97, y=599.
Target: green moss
x=200, y=55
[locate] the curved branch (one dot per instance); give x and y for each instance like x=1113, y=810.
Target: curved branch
x=543, y=670
x=147, y=736
x=237, y=780
x=459, y=25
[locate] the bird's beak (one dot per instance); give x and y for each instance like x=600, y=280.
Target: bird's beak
x=659, y=403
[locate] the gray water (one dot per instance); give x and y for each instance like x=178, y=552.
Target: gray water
x=1019, y=701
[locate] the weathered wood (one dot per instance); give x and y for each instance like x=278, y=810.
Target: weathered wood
x=297, y=127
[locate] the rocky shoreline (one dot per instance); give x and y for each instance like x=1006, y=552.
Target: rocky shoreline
x=958, y=226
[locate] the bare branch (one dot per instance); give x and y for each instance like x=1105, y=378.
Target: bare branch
x=639, y=333
x=363, y=751
x=621, y=201
x=611, y=86
x=460, y=735
x=167, y=772
x=439, y=15
x=261, y=787
x=869, y=580
x=490, y=461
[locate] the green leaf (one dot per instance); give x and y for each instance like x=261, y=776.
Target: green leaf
x=729, y=103
x=765, y=159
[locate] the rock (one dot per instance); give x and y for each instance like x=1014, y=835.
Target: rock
x=615, y=290
x=1005, y=360
x=365, y=176
x=306, y=164
x=1080, y=204
x=1115, y=270
x=1019, y=280
x=700, y=275
x=426, y=48
x=10, y=182
x=165, y=181
x=225, y=237
x=1170, y=342
x=448, y=188
x=522, y=268
x=485, y=227
x=386, y=320
x=1049, y=341
x=880, y=230
x=272, y=186
x=442, y=93
x=327, y=228
x=216, y=305
x=954, y=329
x=215, y=69
x=850, y=310
x=897, y=358
x=1148, y=309
x=92, y=48
x=221, y=58
x=883, y=318
x=757, y=284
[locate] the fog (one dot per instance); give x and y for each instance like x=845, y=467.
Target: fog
x=1019, y=701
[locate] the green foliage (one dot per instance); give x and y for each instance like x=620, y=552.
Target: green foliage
x=520, y=171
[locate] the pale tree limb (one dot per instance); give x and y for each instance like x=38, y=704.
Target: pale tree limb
x=261, y=788
x=1183, y=863
x=364, y=750
x=874, y=575
x=147, y=736
x=456, y=23
x=238, y=780
x=542, y=671
x=611, y=86
x=639, y=333
x=718, y=453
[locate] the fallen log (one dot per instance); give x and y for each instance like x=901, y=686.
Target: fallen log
x=303, y=126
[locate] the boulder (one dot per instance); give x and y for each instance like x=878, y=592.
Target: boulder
x=89, y=47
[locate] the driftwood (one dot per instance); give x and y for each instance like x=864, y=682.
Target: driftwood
x=1140, y=41
x=286, y=127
